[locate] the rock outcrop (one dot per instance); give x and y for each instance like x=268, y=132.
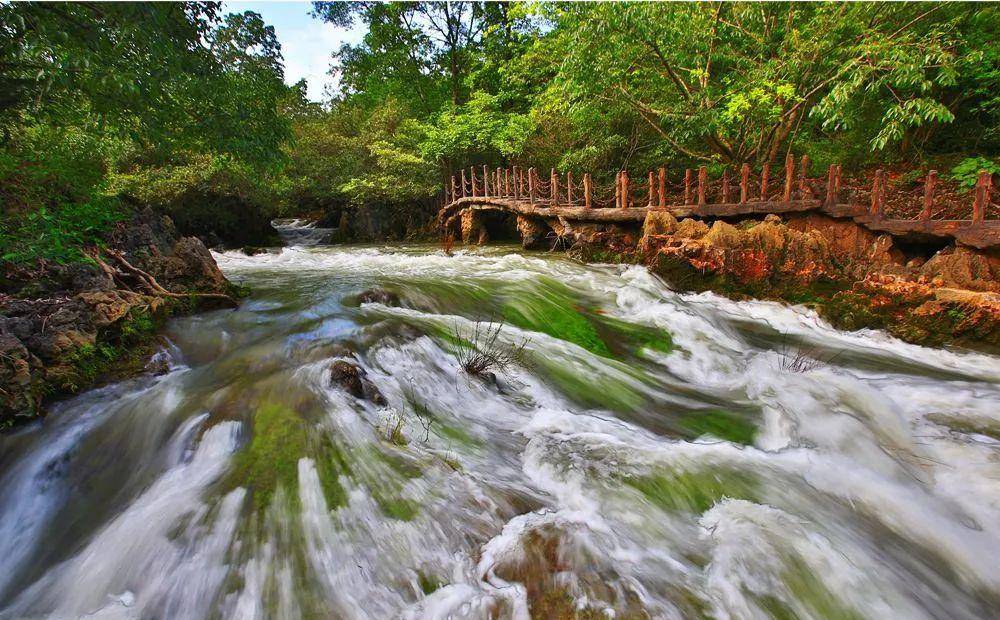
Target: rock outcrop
x=64, y=328
x=853, y=277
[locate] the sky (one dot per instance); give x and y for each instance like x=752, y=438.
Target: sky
x=306, y=42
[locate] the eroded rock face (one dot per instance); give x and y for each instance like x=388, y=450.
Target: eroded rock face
x=533, y=232
x=351, y=378
x=63, y=328
x=855, y=278
x=473, y=229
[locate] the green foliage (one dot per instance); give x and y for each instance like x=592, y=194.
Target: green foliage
x=59, y=234
x=967, y=171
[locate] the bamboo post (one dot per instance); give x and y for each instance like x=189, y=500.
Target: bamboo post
x=832, y=184
x=982, y=199
x=626, y=190
x=804, y=178
x=765, y=175
x=687, y=186
x=702, y=183
x=725, y=186
x=789, y=177
x=588, y=190
x=569, y=187
x=929, y=182
x=531, y=185
x=663, y=187
x=878, y=195
x=652, y=190
x=744, y=183
x=554, y=181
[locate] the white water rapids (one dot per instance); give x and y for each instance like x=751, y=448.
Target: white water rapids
x=652, y=454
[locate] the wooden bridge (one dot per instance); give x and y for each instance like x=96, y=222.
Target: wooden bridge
x=524, y=194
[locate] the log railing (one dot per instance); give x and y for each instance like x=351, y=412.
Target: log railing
x=725, y=195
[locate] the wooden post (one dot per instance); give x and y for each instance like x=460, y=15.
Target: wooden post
x=506, y=182
x=982, y=199
x=531, y=185
x=626, y=191
x=789, y=177
x=929, y=182
x=878, y=194
x=832, y=184
x=725, y=186
x=463, y=183
x=472, y=180
x=516, y=173
x=744, y=183
x=588, y=190
x=652, y=191
x=687, y=186
x=554, y=182
x=702, y=183
x=498, y=186
x=454, y=195
x=486, y=182
x=569, y=187
x=765, y=175
x=618, y=189
x=663, y=187
x=804, y=179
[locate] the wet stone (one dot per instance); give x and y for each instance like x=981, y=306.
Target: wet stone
x=351, y=378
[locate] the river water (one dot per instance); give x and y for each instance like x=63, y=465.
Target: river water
x=647, y=454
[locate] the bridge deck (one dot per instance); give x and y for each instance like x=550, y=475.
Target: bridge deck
x=982, y=235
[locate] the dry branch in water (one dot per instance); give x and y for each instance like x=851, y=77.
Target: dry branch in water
x=486, y=352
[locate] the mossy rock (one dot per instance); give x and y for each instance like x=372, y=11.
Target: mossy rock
x=694, y=491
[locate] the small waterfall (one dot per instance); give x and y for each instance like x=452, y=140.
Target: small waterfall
x=295, y=231
x=647, y=453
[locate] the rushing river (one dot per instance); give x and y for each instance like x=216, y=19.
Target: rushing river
x=647, y=454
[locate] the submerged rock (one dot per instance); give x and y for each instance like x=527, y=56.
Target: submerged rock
x=351, y=378
x=378, y=296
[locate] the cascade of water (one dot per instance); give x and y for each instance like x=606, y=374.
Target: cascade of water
x=649, y=452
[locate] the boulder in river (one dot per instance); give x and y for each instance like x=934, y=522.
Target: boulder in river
x=351, y=378
x=378, y=296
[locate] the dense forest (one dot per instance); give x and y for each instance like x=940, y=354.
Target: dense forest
x=107, y=107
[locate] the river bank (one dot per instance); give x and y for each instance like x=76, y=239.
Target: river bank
x=852, y=277
x=65, y=328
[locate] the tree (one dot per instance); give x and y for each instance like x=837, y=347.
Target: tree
x=735, y=81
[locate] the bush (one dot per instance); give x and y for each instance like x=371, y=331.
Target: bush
x=967, y=170
x=57, y=234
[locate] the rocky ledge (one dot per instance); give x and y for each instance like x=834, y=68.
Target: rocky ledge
x=852, y=277
x=64, y=328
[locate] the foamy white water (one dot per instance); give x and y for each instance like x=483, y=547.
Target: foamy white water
x=653, y=454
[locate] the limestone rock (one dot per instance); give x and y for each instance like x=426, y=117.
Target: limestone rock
x=691, y=229
x=351, y=378
x=533, y=232
x=965, y=268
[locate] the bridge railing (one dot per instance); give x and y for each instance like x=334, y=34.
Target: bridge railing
x=878, y=195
